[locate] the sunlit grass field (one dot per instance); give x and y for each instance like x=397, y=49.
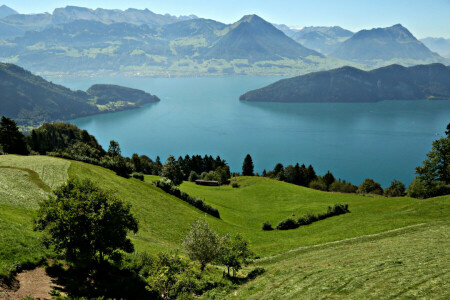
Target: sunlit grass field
x=411, y=263
x=164, y=221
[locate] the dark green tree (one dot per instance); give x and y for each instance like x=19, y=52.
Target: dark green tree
x=396, y=189
x=172, y=171
x=328, y=179
x=86, y=223
x=437, y=165
x=12, y=141
x=114, y=149
x=247, y=166
x=369, y=186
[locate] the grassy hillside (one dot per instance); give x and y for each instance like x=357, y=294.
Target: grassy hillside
x=407, y=264
x=164, y=220
x=261, y=199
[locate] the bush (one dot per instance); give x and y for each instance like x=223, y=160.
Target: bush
x=318, y=184
x=343, y=187
x=193, y=176
x=256, y=272
x=337, y=209
x=139, y=176
x=267, y=226
x=369, y=186
x=421, y=189
x=167, y=186
x=235, y=185
x=397, y=189
x=287, y=224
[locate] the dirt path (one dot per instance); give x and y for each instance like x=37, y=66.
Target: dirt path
x=35, y=283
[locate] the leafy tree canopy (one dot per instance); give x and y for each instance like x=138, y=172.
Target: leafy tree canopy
x=84, y=222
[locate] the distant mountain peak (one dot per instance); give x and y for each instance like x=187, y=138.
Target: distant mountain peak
x=6, y=11
x=389, y=43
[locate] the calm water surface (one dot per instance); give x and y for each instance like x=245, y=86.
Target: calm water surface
x=384, y=140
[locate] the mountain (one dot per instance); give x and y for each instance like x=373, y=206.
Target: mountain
x=6, y=11
x=131, y=15
x=255, y=39
x=16, y=25
x=349, y=84
x=186, y=48
x=439, y=45
x=32, y=100
x=320, y=38
x=384, y=44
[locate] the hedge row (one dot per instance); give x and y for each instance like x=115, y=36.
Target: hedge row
x=167, y=186
x=336, y=210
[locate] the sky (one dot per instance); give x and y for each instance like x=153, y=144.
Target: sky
x=422, y=17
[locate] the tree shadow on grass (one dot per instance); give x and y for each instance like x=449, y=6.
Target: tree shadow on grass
x=106, y=280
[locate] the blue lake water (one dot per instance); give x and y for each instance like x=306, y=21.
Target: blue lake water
x=383, y=141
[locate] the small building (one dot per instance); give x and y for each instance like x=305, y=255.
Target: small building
x=207, y=182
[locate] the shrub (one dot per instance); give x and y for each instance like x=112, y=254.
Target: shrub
x=343, y=187
x=267, y=226
x=139, y=176
x=397, y=189
x=167, y=186
x=318, y=184
x=369, y=186
x=193, y=176
x=256, y=272
x=287, y=224
x=235, y=185
x=337, y=209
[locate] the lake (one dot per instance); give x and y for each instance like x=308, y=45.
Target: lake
x=383, y=141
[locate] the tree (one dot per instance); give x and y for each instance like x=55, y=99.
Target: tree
x=437, y=165
x=12, y=141
x=172, y=171
x=433, y=177
x=114, y=148
x=369, y=186
x=328, y=179
x=84, y=222
x=396, y=189
x=170, y=275
x=201, y=243
x=247, y=166
x=234, y=252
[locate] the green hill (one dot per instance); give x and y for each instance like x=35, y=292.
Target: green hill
x=164, y=220
x=31, y=100
x=349, y=84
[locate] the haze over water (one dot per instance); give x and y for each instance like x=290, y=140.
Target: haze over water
x=383, y=141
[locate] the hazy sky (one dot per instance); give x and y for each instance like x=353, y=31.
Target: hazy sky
x=422, y=17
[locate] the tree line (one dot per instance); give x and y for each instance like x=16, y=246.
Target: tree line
x=68, y=141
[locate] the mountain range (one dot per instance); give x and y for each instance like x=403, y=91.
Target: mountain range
x=197, y=46
x=349, y=84
x=14, y=25
x=76, y=41
x=32, y=100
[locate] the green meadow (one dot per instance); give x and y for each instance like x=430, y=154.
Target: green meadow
x=357, y=247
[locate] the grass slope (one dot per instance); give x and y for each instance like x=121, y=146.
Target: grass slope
x=261, y=199
x=164, y=220
x=408, y=264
